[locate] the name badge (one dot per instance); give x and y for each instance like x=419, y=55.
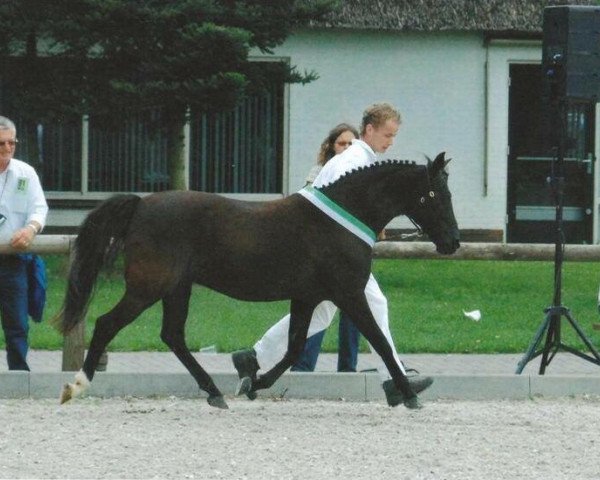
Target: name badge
x=22, y=184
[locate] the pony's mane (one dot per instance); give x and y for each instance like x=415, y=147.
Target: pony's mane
x=374, y=168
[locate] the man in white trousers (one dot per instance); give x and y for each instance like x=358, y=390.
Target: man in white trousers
x=379, y=126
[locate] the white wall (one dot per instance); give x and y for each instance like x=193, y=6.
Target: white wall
x=436, y=80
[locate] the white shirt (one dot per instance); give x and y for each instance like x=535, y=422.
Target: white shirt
x=314, y=171
x=357, y=155
x=21, y=198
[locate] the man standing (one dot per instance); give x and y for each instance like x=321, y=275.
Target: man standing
x=23, y=211
x=379, y=126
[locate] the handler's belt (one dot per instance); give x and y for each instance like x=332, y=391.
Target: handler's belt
x=338, y=214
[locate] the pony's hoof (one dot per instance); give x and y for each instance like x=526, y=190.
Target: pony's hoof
x=66, y=394
x=71, y=390
x=413, y=403
x=244, y=386
x=217, y=401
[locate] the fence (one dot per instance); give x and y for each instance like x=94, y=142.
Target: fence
x=62, y=244
x=74, y=343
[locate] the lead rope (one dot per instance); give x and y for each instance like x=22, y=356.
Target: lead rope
x=418, y=233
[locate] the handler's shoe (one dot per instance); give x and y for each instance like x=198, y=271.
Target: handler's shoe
x=395, y=397
x=246, y=365
x=103, y=362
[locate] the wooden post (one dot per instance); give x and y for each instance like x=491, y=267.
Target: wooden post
x=74, y=341
x=74, y=349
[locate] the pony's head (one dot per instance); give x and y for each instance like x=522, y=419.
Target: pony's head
x=432, y=210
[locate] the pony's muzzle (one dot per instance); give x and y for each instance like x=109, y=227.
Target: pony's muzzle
x=451, y=246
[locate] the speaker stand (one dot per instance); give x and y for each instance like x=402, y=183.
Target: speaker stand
x=556, y=312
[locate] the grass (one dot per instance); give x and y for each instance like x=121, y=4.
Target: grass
x=426, y=301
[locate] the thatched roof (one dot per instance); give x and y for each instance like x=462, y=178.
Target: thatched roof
x=432, y=15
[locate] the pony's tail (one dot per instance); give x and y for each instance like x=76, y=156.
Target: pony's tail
x=100, y=238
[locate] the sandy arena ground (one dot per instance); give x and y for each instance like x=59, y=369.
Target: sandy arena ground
x=269, y=439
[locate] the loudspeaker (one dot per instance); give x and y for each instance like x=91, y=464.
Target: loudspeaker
x=571, y=51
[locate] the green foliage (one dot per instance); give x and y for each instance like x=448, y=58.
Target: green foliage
x=426, y=302
x=114, y=56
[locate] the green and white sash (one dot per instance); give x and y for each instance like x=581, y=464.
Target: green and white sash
x=338, y=214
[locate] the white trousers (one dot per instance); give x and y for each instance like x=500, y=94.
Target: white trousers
x=271, y=348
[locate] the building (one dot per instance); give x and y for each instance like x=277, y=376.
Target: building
x=467, y=78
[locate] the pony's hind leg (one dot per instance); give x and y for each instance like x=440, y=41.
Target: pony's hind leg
x=175, y=311
x=106, y=328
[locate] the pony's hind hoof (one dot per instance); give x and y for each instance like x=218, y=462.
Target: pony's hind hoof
x=217, y=401
x=71, y=390
x=66, y=394
x=413, y=403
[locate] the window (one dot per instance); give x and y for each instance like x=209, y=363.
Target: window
x=131, y=158
x=240, y=151
x=234, y=152
x=54, y=150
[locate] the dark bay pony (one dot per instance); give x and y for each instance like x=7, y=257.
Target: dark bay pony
x=255, y=251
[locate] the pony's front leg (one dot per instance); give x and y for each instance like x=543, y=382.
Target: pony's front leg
x=300, y=316
x=358, y=308
x=175, y=311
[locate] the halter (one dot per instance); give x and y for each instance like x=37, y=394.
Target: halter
x=419, y=230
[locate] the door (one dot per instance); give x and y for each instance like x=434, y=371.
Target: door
x=531, y=205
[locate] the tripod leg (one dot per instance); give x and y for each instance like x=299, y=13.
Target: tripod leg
x=583, y=337
x=552, y=340
x=530, y=354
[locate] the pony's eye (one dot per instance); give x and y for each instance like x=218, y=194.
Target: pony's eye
x=422, y=199
x=432, y=194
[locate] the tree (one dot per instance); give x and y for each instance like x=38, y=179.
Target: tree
x=114, y=58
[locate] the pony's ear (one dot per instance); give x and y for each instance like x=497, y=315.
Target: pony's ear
x=439, y=163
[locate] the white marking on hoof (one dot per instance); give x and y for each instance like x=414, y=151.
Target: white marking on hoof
x=71, y=390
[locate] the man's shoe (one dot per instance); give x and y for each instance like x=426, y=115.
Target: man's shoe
x=103, y=362
x=246, y=365
x=395, y=397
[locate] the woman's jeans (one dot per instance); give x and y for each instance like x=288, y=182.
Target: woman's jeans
x=348, y=339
